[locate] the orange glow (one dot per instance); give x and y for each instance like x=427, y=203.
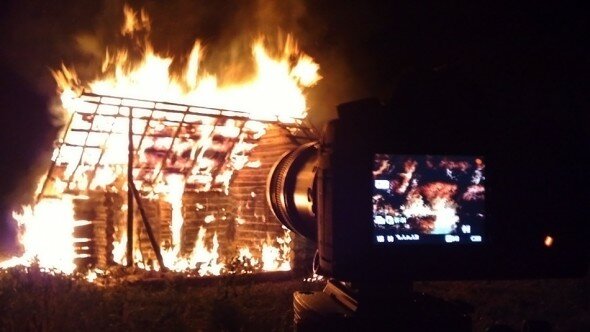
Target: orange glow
x=548, y=241
x=47, y=235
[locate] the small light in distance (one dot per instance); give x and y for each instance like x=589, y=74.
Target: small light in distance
x=548, y=241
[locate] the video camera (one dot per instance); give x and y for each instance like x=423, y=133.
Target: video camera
x=402, y=194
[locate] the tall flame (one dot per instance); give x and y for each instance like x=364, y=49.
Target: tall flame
x=47, y=235
x=274, y=90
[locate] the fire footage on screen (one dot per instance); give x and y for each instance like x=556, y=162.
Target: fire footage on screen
x=428, y=199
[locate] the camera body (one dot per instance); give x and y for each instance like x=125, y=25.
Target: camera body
x=444, y=182
x=392, y=192
x=493, y=225
x=354, y=242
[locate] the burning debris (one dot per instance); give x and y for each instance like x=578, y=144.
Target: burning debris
x=172, y=143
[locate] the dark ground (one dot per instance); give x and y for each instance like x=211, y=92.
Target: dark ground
x=38, y=302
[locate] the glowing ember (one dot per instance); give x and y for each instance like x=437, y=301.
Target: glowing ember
x=548, y=241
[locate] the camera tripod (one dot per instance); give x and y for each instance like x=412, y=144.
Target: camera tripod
x=376, y=306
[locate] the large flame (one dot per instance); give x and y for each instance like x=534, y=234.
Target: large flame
x=47, y=235
x=274, y=92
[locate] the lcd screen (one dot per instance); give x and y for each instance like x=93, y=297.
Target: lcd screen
x=428, y=199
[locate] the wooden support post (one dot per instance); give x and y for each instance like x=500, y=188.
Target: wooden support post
x=148, y=228
x=130, y=192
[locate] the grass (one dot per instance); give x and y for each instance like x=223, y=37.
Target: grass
x=565, y=303
x=31, y=300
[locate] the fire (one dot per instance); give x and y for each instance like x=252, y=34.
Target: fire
x=47, y=235
x=272, y=257
x=173, y=108
x=274, y=91
x=174, y=197
x=277, y=258
x=206, y=260
x=440, y=208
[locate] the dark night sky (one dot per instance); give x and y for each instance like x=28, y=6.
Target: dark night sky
x=521, y=62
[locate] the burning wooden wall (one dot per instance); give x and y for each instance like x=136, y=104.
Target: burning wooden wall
x=237, y=219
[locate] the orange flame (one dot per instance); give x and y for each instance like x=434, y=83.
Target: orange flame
x=47, y=235
x=275, y=90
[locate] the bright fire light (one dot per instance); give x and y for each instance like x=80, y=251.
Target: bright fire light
x=275, y=92
x=47, y=235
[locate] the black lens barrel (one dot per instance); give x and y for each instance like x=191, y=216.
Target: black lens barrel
x=290, y=190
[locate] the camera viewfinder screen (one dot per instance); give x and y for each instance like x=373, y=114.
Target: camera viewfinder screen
x=428, y=199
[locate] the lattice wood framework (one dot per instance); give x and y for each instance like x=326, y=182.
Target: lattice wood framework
x=151, y=140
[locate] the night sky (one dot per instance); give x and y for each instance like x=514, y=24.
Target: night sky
x=522, y=64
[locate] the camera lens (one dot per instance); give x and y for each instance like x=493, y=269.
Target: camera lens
x=290, y=190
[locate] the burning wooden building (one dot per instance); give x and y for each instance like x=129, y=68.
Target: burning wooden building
x=182, y=160
x=162, y=170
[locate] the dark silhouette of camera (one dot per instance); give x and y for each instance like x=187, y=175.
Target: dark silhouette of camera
x=426, y=187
